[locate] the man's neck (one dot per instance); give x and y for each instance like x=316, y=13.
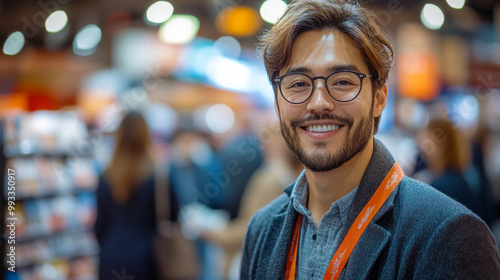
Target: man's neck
x=327, y=187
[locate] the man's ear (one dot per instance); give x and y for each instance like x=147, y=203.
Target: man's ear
x=380, y=100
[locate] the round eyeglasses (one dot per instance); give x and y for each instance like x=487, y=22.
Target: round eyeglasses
x=343, y=86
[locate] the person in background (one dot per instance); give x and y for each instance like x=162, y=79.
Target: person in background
x=242, y=155
x=194, y=163
x=125, y=223
x=193, y=160
x=214, y=174
x=481, y=153
x=280, y=168
x=449, y=158
x=352, y=213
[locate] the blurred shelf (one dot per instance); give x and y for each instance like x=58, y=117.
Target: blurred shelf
x=53, y=194
x=14, y=151
x=50, y=234
x=28, y=264
x=55, y=182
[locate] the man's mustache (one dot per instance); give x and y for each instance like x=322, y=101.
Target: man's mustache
x=342, y=120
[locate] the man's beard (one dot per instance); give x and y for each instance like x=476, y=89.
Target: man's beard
x=322, y=160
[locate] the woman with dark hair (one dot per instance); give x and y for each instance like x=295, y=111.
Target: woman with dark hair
x=125, y=222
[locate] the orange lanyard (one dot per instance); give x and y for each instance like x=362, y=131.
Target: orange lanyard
x=342, y=254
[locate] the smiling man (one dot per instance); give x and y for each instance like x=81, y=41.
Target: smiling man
x=352, y=214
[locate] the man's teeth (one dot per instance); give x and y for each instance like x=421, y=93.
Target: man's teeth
x=322, y=128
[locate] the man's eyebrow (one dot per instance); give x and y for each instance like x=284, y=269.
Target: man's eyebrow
x=304, y=70
x=343, y=67
x=331, y=69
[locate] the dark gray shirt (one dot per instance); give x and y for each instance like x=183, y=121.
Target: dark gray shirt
x=317, y=245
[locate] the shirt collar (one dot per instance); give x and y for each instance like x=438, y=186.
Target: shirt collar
x=300, y=194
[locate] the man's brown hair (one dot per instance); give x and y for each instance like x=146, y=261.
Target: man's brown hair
x=349, y=17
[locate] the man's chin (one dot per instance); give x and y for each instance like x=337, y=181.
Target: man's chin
x=319, y=161
x=322, y=147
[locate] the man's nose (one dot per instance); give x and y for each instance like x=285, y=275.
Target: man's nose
x=320, y=101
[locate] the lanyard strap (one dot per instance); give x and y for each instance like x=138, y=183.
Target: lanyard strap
x=339, y=259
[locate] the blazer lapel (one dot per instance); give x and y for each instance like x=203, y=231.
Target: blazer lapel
x=364, y=256
x=279, y=233
x=375, y=238
x=380, y=163
x=371, y=244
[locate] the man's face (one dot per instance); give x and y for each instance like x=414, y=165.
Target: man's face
x=349, y=125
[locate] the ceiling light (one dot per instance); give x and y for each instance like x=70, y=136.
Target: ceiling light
x=219, y=118
x=179, y=29
x=456, y=4
x=432, y=17
x=56, y=21
x=272, y=10
x=14, y=43
x=87, y=39
x=159, y=12
x=239, y=21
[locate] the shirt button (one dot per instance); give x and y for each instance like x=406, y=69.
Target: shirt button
x=314, y=237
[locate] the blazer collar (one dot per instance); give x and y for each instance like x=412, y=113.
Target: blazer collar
x=378, y=167
x=278, y=233
x=375, y=238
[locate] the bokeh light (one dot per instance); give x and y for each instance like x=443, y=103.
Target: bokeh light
x=87, y=39
x=14, y=43
x=229, y=73
x=239, y=21
x=56, y=21
x=159, y=12
x=219, y=118
x=464, y=110
x=272, y=10
x=228, y=46
x=179, y=29
x=456, y=4
x=432, y=17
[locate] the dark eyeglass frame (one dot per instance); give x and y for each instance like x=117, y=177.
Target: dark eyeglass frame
x=361, y=77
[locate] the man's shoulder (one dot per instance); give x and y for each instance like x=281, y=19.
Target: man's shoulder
x=427, y=218
x=417, y=199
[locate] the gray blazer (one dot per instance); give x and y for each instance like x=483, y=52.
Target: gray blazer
x=419, y=233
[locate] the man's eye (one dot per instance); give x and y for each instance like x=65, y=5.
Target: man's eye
x=299, y=84
x=343, y=83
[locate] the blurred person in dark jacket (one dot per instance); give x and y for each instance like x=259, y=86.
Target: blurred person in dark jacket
x=449, y=158
x=125, y=223
x=279, y=169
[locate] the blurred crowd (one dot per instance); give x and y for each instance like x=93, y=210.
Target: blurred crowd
x=217, y=182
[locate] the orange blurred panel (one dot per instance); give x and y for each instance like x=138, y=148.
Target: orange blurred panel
x=15, y=102
x=239, y=21
x=418, y=75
